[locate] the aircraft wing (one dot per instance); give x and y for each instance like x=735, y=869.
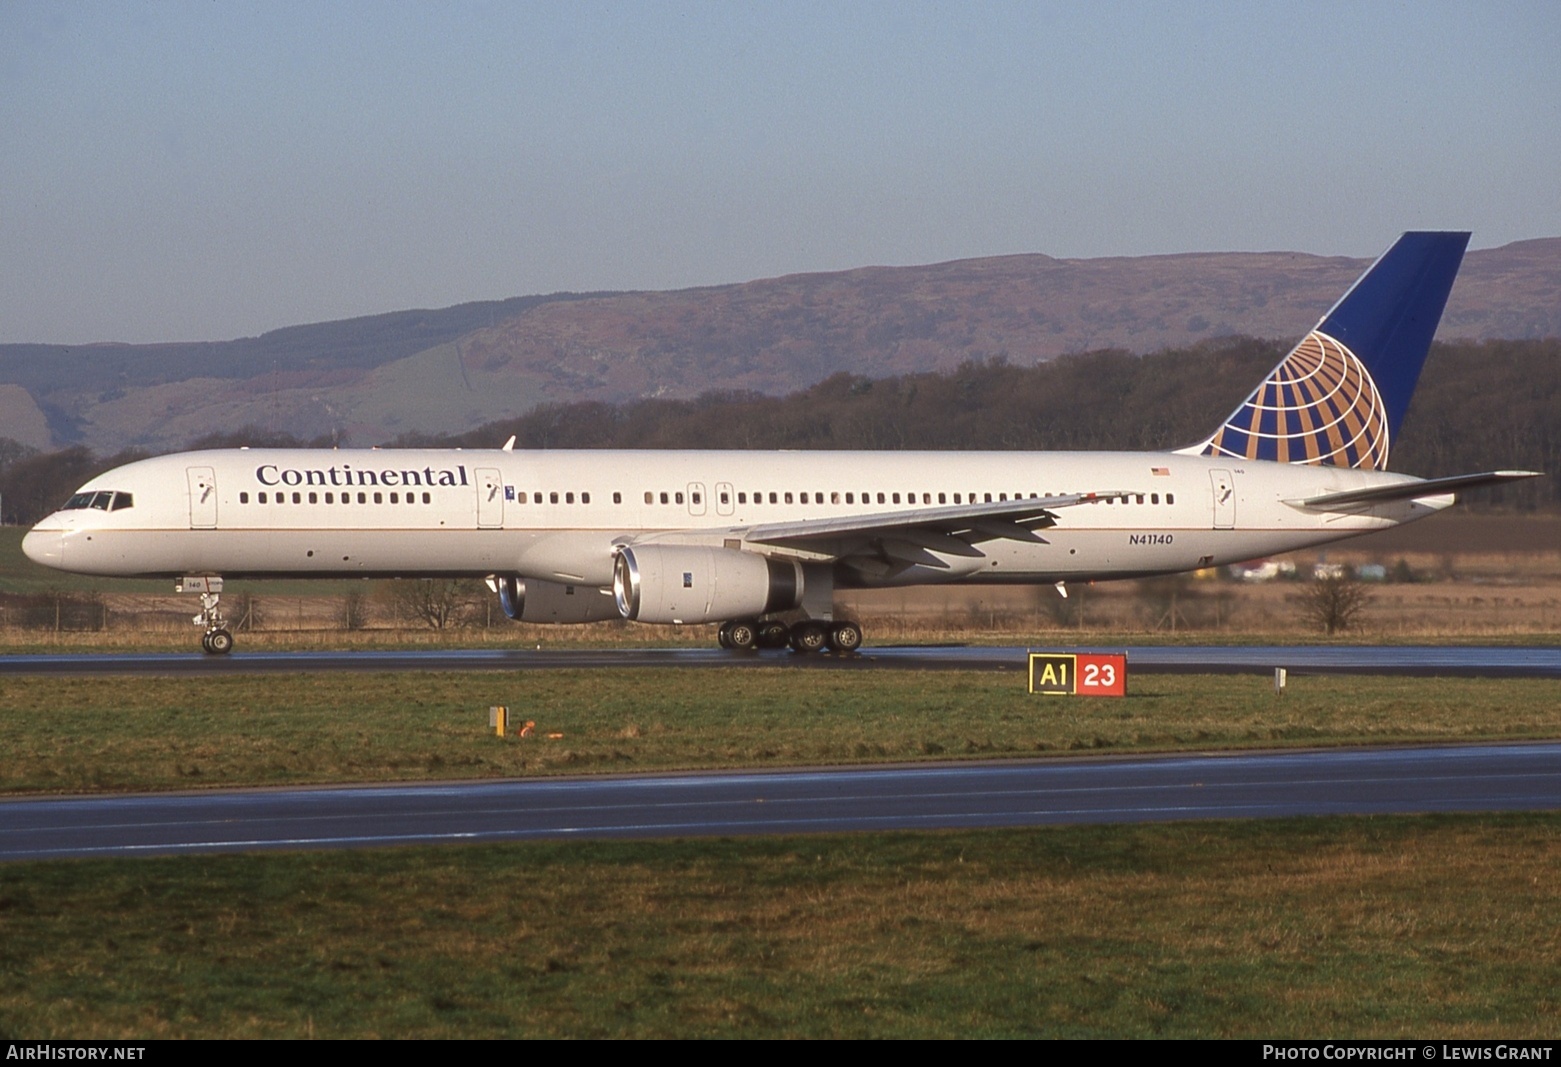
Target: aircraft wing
x=904, y=538
x=1410, y=490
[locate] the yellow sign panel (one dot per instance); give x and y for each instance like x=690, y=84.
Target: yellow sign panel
x=1052, y=674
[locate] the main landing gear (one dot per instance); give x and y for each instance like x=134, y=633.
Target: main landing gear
x=218, y=639
x=809, y=635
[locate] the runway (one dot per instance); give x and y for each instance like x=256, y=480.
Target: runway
x=1421, y=660
x=1021, y=793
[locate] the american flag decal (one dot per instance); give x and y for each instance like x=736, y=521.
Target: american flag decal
x=1318, y=407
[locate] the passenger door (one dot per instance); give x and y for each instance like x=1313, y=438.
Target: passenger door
x=1224, y=487
x=490, y=499
x=203, y=497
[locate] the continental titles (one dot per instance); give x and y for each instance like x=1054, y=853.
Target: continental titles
x=271, y=474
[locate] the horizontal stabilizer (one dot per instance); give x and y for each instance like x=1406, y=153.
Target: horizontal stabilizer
x=1412, y=490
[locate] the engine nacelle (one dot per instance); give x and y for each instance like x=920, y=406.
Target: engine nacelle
x=533, y=600
x=690, y=583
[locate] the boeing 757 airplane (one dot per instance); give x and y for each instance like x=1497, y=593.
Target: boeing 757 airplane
x=741, y=538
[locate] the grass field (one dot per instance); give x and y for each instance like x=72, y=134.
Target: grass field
x=95, y=734
x=1424, y=927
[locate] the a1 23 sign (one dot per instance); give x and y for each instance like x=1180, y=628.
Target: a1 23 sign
x=1084, y=674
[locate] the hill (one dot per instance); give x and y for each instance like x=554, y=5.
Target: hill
x=372, y=379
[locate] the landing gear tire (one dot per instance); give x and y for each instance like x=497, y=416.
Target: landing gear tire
x=845, y=637
x=808, y=636
x=773, y=634
x=741, y=635
x=216, y=639
x=723, y=636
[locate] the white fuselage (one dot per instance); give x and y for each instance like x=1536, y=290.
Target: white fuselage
x=557, y=516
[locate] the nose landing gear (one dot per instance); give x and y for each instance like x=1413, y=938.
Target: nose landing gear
x=217, y=640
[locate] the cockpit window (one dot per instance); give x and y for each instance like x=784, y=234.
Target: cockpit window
x=104, y=500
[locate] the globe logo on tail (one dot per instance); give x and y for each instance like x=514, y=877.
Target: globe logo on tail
x=1318, y=407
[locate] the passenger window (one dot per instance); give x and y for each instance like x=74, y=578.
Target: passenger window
x=788, y=498
x=695, y=497
x=678, y=497
x=726, y=498
x=379, y=498
x=1170, y=498
x=427, y=499
x=536, y=498
x=926, y=498
x=896, y=498
x=330, y=498
x=988, y=499
x=552, y=498
x=395, y=498
x=617, y=498
x=649, y=498
x=772, y=498
x=804, y=498
x=742, y=498
x=314, y=498
x=956, y=498
x=849, y=498
x=663, y=498
x=243, y=498
x=1154, y=498
x=881, y=500
x=585, y=498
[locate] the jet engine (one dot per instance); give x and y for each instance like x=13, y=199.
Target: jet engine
x=533, y=600
x=690, y=583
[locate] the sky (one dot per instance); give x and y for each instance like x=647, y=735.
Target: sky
x=176, y=171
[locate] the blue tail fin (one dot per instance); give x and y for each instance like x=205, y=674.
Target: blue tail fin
x=1339, y=397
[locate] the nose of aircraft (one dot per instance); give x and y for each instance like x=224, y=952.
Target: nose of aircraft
x=45, y=546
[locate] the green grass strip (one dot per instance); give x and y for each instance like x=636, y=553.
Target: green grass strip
x=115, y=734
x=1436, y=926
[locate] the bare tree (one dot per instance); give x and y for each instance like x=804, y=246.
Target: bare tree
x=1335, y=603
x=354, y=611
x=439, y=603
